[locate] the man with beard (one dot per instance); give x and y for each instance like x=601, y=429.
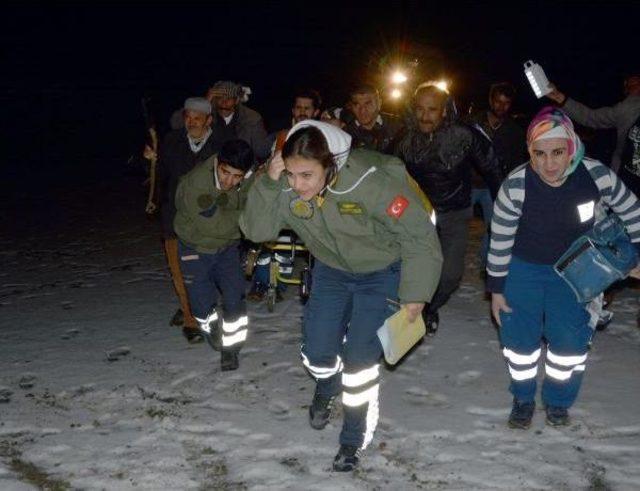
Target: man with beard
x=508, y=142
x=439, y=154
x=370, y=128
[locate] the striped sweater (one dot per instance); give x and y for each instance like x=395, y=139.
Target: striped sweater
x=507, y=211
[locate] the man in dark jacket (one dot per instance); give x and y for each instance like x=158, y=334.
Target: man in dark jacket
x=439, y=154
x=370, y=128
x=179, y=152
x=233, y=120
x=508, y=141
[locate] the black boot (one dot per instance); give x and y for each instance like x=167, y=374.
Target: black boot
x=229, y=360
x=320, y=410
x=431, y=321
x=177, y=319
x=521, y=414
x=192, y=335
x=347, y=459
x=557, y=416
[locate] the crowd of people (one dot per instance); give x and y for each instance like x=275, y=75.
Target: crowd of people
x=383, y=204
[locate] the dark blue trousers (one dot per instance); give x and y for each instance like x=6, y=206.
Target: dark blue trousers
x=205, y=274
x=340, y=347
x=543, y=306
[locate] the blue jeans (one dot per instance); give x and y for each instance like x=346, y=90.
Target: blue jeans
x=340, y=346
x=482, y=197
x=543, y=306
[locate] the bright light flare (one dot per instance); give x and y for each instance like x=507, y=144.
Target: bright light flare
x=443, y=85
x=396, y=94
x=398, y=77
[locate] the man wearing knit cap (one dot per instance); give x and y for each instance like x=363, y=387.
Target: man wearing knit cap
x=179, y=152
x=232, y=119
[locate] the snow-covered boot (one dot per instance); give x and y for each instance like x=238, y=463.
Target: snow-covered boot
x=347, y=458
x=431, y=321
x=521, y=414
x=177, y=319
x=229, y=360
x=557, y=416
x=320, y=410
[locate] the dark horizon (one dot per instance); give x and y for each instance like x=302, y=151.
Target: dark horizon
x=74, y=74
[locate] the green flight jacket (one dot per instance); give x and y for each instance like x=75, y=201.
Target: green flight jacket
x=370, y=218
x=206, y=217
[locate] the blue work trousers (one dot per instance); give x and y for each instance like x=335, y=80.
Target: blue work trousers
x=543, y=307
x=207, y=273
x=340, y=346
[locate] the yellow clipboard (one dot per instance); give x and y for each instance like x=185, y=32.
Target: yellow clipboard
x=397, y=336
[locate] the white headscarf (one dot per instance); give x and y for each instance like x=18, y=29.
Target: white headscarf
x=339, y=141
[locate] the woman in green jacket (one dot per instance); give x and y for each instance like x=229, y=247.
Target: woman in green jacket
x=374, y=245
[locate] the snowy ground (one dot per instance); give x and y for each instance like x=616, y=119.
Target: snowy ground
x=98, y=392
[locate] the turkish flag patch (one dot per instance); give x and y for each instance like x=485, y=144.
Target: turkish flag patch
x=397, y=206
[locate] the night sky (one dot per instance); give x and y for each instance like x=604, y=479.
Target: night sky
x=73, y=74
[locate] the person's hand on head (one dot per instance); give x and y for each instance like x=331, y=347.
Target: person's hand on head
x=275, y=166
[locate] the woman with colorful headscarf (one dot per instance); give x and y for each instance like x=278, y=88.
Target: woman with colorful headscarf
x=541, y=208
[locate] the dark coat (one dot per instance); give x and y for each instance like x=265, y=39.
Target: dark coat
x=441, y=163
x=175, y=160
x=379, y=138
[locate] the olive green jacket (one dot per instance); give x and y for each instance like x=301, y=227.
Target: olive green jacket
x=207, y=217
x=370, y=218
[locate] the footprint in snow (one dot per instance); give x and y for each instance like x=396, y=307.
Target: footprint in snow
x=117, y=353
x=27, y=381
x=71, y=333
x=416, y=395
x=5, y=394
x=280, y=409
x=468, y=377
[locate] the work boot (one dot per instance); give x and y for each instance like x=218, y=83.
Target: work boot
x=229, y=360
x=177, y=319
x=320, y=410
x=192, y=335
x=521, y=414
x=347, y=458
x=557, y=416
x=257, y=293
x=431, y=321
x=212, y=334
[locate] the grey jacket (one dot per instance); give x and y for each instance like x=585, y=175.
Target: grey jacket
x=621, y=117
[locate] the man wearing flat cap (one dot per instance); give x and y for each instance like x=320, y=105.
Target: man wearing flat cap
x=178, y=154
x=232, y=119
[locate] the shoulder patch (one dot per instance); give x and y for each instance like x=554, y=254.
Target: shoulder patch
x=397, y=207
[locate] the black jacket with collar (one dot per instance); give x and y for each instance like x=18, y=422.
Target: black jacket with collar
x=441, y=162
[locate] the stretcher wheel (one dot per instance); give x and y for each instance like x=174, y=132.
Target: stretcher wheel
x=271, y=299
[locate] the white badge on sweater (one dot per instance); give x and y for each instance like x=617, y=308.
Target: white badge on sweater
x=585, y=210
